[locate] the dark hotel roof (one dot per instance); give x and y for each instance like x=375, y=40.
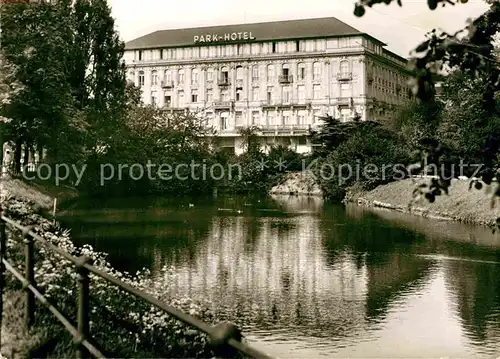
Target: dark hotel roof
x=264, y=31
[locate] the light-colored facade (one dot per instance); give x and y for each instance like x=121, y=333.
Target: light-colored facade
x=280, y=77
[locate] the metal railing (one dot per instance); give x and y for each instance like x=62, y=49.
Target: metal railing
x=344, y=76
x=223, y=104
x=167, y=84
x=285, y=79
x=223, y=82
x=223, y=335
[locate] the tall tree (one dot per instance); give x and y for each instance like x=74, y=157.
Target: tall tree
x=33, y=33
x=470, y=51
x=73, y=103
x=98, y=81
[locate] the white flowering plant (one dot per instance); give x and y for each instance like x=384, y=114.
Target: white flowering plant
x=121, y=324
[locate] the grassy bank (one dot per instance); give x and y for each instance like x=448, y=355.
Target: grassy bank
x=40, y=194
x=122, y=325
x=462, y=204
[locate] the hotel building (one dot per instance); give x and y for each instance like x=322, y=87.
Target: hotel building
x=279, y=76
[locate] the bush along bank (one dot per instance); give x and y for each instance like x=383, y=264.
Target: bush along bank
x=121, y=324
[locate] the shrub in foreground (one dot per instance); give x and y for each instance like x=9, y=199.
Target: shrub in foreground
x=121, y=324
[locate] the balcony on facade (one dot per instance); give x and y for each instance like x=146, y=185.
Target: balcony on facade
x=223, y=82
x=283, y=104
x=344, y=76
x=167, y=84
x=293, y=129
x=223, y=105
x=345, y=101
x=285, y=79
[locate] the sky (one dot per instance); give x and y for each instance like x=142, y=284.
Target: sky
x=402, y=28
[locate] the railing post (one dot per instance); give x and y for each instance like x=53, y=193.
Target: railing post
x=83, y=303
x=3, y=255
x=30, y=276
x=221, y=333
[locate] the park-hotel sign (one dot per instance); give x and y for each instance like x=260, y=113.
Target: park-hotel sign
x=230, y=36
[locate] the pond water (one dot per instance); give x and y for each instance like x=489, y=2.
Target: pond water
x=313, y=279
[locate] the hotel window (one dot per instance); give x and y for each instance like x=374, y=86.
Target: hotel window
x=210, y=96
x=332, y=43
x=181, y=76
x=140, y=55
x=282, y=45
x=239, y=73
x=310, y=45
x=212, y=51
x=194, y=76
x=223, y=120
x=316, y=92
x=317, y=116
x=301, y=69
x=167, y=77
x=204, y=52
x=194, y=96
x=154, y=99
x=273, y=47
x=255, y=72
x=287, y=118
x=320, y=45
x=286, y=95
x=141, y=78
x=297, y=46
x=344, y=67
x=270, y=73
x=210, y=74
x=265, y=48
x=196, y=52
x=161, y=54
x=271, y=118
x=239, y=95
x=246, y=49
x=255, y=94
x=302, y=45
x=181, y=98
x=154, y=78
x=255, y=118
x=269, y=95
x=224, y=75
x=188, y=52
x=316, y=71
x=167, y=101
x=345, y=90
x=255, y=49
x=285, y=70
x=301, y=117
x=344, y=42
x=224, y=95
x=239, y=118
x=301, y=90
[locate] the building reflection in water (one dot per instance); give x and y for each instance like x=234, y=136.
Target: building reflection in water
x=282, y=278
